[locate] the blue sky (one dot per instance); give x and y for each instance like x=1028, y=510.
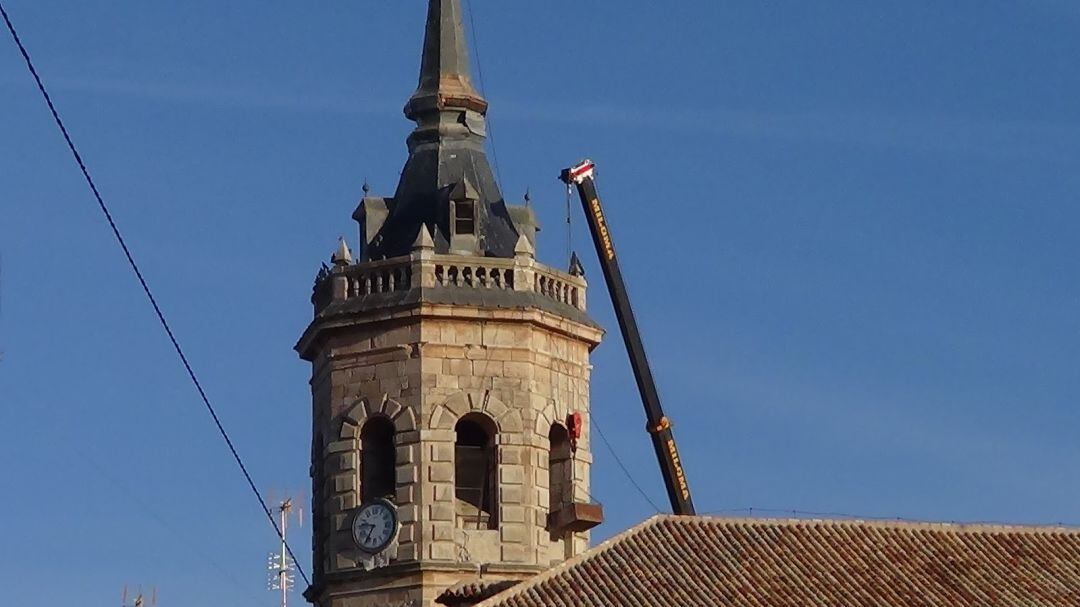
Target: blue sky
x=850, y=231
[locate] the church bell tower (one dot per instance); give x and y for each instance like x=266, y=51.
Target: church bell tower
x=450, y=373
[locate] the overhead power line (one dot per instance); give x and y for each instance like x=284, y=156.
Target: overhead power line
x=626, y=471
x=142, y=282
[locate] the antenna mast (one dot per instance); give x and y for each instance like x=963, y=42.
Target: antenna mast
x=140, y=599
x=282, y=577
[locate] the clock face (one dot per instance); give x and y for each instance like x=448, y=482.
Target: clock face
x=374, y=526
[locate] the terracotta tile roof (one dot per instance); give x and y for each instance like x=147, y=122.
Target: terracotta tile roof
x=473, y=591
x=671, y=560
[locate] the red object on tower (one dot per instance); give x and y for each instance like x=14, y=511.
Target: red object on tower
x=574, y=424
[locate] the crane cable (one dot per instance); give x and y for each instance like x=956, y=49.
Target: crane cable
x=145, y=287
x=483, y=90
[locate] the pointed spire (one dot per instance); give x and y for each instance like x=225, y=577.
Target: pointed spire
x=446, y=151
x=342, y=256
x=445, y=74
x=524, y=248
x=576, y=269
x=424, y=241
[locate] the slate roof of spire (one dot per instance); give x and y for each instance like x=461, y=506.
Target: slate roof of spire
x=670, y=560
x=445, y=149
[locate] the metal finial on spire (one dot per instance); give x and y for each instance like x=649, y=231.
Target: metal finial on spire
x=528, y=196
x=366, y=188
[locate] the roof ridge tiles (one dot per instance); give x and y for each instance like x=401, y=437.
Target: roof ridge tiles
x=956, y=526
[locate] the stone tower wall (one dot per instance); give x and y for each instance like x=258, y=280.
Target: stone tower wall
x=425, y=368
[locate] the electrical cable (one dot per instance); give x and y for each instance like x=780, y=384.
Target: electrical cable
x=145, y=287
x=625, y=470
x=483, y=89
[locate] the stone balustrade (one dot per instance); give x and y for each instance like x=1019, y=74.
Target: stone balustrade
x=477, y=273
x=426, y=269
x=559, y=286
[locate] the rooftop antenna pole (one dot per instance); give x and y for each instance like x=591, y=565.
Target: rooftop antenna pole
x=281, y=566
x=139, y=600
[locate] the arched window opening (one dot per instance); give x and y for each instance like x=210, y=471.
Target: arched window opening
x=378, y=457
x=475, y=466
x=560, y=469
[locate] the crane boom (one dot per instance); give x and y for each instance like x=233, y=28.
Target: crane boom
x=658, y=425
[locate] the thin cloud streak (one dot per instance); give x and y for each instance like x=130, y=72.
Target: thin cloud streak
x=929, y=133
x=216, y=96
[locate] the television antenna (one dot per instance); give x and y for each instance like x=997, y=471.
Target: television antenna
x=282, y=568
x=139, y=600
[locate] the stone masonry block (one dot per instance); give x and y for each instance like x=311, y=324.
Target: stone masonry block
x=517, y=369
x=511, y=422
x=344, y=482
x=408, y=454
x=506, y=383
x=475, y=353
x=457, y=367
x=513, y=514
x=511, y=495
x=443, y=435
x=442, y=533
x=442, y=418
x=341, y=446
x=340, y=522
x=407, y=474
x=442, y=551
x=344, y=461
x=442, y=492
x=458, y=406
x=405, y=494
x=349, y=430
x=512, y=475
x=407, y=438
x=442, y=512
x=342, y=562
x=443, y=452
x=489, y=368
x=407, y=514
x=360, y=374
x=475, y=382
x=515, y=553
x=391, y=409
x=510, y=455
x=511, y=437
x=342, y=503
x=440, y=472
x=447, y=381
x=408, y=552
x=514, y=533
